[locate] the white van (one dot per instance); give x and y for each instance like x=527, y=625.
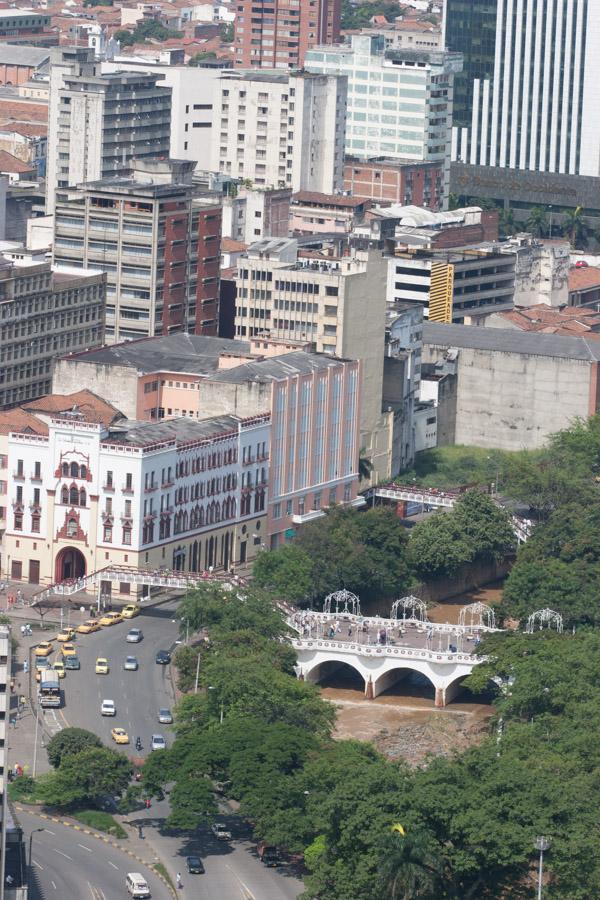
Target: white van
x=137, y=886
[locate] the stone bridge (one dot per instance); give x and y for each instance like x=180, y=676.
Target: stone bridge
x=380, y=667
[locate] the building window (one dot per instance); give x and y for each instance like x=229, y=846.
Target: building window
x=109, y=479
x=347, y=493
x=107, y=534
x=289, y=507
x=71, y=527
x=35, y=524
x=277, y=510
x=37, y=470
x=317, y=500
x=18, y=522
x=332, y=497
x=127, y=536
x=301, y=505
x=128, y=481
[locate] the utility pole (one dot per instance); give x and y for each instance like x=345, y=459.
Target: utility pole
x=542, y=845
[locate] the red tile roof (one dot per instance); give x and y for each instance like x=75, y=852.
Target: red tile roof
x=546, y=319
x=228, y=245
x=583, y=278
x=91, y=407
x=27, y=129
x=22, y=421
x=14, y=165
x=328, y=199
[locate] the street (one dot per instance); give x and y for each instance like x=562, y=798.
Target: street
x=67, y=863
x=233, y=870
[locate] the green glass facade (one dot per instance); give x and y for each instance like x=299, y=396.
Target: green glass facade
x=471, y=30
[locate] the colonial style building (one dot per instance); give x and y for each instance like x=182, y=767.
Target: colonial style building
x=97, y=489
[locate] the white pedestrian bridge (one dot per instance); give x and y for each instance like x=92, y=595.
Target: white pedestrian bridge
x=381, y=667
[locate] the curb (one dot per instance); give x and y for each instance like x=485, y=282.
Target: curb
x=101, y=837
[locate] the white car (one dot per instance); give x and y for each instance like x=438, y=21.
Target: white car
x=134, y=636
x=108, y=708
x=158, y=742
x=220, y=831
x=165, y=717
x=131, y=664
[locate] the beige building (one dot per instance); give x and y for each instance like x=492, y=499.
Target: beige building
x=337, y=304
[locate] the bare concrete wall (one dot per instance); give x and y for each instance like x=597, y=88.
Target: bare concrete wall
x=116, y=384
x=219, y=398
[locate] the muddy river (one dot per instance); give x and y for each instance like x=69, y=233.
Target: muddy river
x=403, y=721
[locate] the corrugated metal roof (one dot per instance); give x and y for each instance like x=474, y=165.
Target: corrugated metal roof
x=298, y=362
x=511, y=341
x=22, y=55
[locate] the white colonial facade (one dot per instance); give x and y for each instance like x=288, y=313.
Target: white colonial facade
x=180, y=494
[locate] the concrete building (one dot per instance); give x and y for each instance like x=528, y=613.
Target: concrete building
x=314, y=404
x=402, y=381
x=584, y=286
x=19, y=63
x=99, y=488
x=254, y=213
x=277, y=36
x=281, y=130
x=408, y=34
x=99, y=123
x=527, y=102
x=44, y=313
x=338, y=304
x=27, y=26
x=509, y=389
x=157, y=242
x=314, y=213
x=396, y=181
x=6, y=824
x=470, y=283
x=399, y=101
x=28, y=143
x=193, y=95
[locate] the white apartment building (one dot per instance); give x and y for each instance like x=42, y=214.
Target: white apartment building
x=182, y=494
x=98, y=123
x=193, y=92
x=399, y=101
x=281, y=131
x=337, y=305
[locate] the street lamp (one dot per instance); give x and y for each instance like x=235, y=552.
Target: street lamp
x=541, y=844
x=213, y=688
x=29, y=870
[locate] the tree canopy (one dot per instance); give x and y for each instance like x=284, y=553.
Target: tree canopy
x=68, y=742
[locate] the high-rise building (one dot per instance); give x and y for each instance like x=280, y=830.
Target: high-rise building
x=279, y=130
x=98, y=123
x=43, y=314
x=527, y=100
x=277, y=33
x=158, y=242
x=399, y=101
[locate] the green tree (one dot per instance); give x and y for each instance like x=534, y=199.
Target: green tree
x=507, y=223
x=226, y=31
x=85, y=777
x=199, y=58
x=185, y=660
x=286, y=573
x=365, y=466
x=575, y=227
x=69, y=742
x=410, y=865
x=125, y=37
x=537, y=223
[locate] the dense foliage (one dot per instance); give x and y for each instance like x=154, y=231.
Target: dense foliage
x=146, y=29
x=68, y=742
x=85, y=777
x=358, y=15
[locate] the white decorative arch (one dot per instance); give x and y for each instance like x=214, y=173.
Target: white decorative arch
x=409, y=608
x=343, y=602
x=544, y=618
x=477, y=615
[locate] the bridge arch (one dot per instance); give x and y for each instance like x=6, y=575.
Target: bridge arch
x=393, y=674
x=326, y=667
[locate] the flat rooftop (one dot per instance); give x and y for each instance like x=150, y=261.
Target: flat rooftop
x=181, y=430
x=298, y=362
x=192, y=353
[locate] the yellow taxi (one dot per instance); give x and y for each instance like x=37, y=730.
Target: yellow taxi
x=88, y=627
x=131, y=610
x=67, y=634
x=102, y=667
x=111, y=618
x=44, y=648
x=59, y=667
x=119, y=736
x=68, y=650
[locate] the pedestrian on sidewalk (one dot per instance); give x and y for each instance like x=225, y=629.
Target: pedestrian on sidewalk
x=178, y=880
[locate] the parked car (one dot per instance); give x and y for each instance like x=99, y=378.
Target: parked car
x=88, y=626
x=165, y=716
x=134, y=636
x=163, y=657
x=110, y=618
x=194, y=865
x=158, y=742
x=108, y=708
x=131, y=664
x=220, y=831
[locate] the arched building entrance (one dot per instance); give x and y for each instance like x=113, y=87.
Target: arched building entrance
x=70, y=563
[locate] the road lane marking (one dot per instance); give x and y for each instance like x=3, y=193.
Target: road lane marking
x=54, y=885
x=113, y=865
x=41, y=868
x=48, y=831
x=66, y=856
x=83, y=847
x=243, y=887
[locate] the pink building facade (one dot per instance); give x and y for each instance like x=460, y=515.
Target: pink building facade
x=314, y=401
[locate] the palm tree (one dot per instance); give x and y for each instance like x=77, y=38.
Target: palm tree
x=575, y=227
x=365, y=466
x=410, y=868
x=537, y=223
x=507, y=224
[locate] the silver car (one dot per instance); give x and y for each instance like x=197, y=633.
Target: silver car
x=131, y=664
x=165, y=717
x=158, y=742
x=134, y=636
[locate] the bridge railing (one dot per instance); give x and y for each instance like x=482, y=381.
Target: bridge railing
x=374, y=652
x=297, y=618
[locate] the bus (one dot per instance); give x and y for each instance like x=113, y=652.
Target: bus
x=49, y=690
